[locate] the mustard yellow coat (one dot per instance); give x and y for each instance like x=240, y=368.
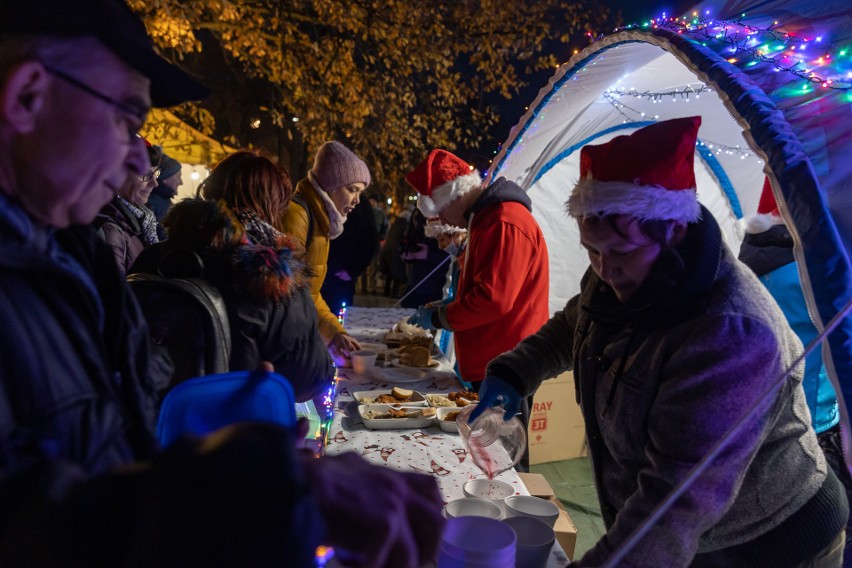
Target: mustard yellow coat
x=294, y=223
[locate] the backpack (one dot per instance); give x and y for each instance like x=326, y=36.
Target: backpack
x=186, y=315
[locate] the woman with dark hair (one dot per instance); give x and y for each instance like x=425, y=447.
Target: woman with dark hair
x=258, y=270
x=679, y=355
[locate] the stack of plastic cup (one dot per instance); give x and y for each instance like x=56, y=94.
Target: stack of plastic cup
x=534, y=541
x=477, y=542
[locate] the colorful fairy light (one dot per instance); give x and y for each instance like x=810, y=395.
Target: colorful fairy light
x=750, y=44
x=812, y=59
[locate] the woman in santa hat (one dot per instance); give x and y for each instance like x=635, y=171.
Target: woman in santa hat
x=678, y=351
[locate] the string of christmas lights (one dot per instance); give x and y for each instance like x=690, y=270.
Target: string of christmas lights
x=638, y=116
x=785, y=51
x=652, y=96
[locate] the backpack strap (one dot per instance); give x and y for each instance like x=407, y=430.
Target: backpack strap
x=301, y=201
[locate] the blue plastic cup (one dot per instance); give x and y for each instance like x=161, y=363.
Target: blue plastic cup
x=477, y=542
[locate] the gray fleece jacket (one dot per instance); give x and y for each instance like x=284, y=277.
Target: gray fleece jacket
x=660, y=380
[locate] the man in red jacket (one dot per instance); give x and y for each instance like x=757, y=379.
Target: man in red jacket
x=503, y=287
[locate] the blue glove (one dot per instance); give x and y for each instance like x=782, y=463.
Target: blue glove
x=423, y=318
x=497, y=392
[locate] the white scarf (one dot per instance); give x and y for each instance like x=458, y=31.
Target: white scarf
x=335, y=217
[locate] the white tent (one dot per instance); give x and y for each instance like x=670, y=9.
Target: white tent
x=772, y=85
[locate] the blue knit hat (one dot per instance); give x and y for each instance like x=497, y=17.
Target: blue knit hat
x=168, y=167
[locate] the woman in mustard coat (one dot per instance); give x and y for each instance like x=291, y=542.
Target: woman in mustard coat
x=316, y=215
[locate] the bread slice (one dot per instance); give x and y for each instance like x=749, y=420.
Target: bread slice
x=420, y=357
x=401, y=394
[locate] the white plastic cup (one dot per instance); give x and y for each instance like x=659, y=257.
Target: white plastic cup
x=472, y=507
x=363, y=361
x=490, y=489
x=477, y=542
x=534, y=541
x=533, y=507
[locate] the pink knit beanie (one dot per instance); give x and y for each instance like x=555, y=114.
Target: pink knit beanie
x=336, y=165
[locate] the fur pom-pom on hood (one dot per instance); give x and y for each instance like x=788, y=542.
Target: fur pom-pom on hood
x=232, y=258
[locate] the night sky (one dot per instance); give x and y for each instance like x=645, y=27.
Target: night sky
x=512, y=111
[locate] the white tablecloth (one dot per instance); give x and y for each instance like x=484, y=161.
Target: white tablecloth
x=430, y=451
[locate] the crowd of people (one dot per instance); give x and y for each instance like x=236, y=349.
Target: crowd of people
x=677, y=348
x=82, y=481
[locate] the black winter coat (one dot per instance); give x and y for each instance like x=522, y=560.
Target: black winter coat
x=76, y=404
x=266, y=292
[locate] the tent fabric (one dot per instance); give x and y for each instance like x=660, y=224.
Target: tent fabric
x=757, y=119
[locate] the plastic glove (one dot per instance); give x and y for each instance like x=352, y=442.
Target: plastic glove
x=423, y=318
x=379, y=517
x=497, y=392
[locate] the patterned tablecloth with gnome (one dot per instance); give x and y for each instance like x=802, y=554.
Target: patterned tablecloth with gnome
x=425, y=450
x=430, y=450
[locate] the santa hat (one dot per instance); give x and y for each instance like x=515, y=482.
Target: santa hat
x=434, y=228
x=648, y=174
x=441, y=179
x=768, y=213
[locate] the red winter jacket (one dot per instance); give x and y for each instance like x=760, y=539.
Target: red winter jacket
x=503, y=287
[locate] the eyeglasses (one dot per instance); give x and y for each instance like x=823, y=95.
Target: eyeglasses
x=153, y=174
x=140, y=115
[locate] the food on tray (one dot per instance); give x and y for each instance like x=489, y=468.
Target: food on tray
x=458, y=398
x=401, y=394
x=414, y=356
x=451, y=416
x=403, y=333
x=396, y=395
x=383, y=399
x=439, y=400
x=396, y=413
x=467, y=396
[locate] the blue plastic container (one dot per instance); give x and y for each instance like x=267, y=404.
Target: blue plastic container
x=204, y=404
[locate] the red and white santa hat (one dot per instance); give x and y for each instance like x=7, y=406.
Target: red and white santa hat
x=440, y=179
x=648, y=174
x=768, y=213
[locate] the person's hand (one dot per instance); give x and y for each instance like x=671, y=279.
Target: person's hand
x=437, y=303
x=422, y=253
x=423, y=318
x=343, y=275
x=493, y=392
x=379, y=517
x=341, y=347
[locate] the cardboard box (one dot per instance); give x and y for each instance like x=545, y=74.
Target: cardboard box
x=556, y=428
x=566, y=532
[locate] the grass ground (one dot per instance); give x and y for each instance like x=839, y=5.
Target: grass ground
x=572, y=482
